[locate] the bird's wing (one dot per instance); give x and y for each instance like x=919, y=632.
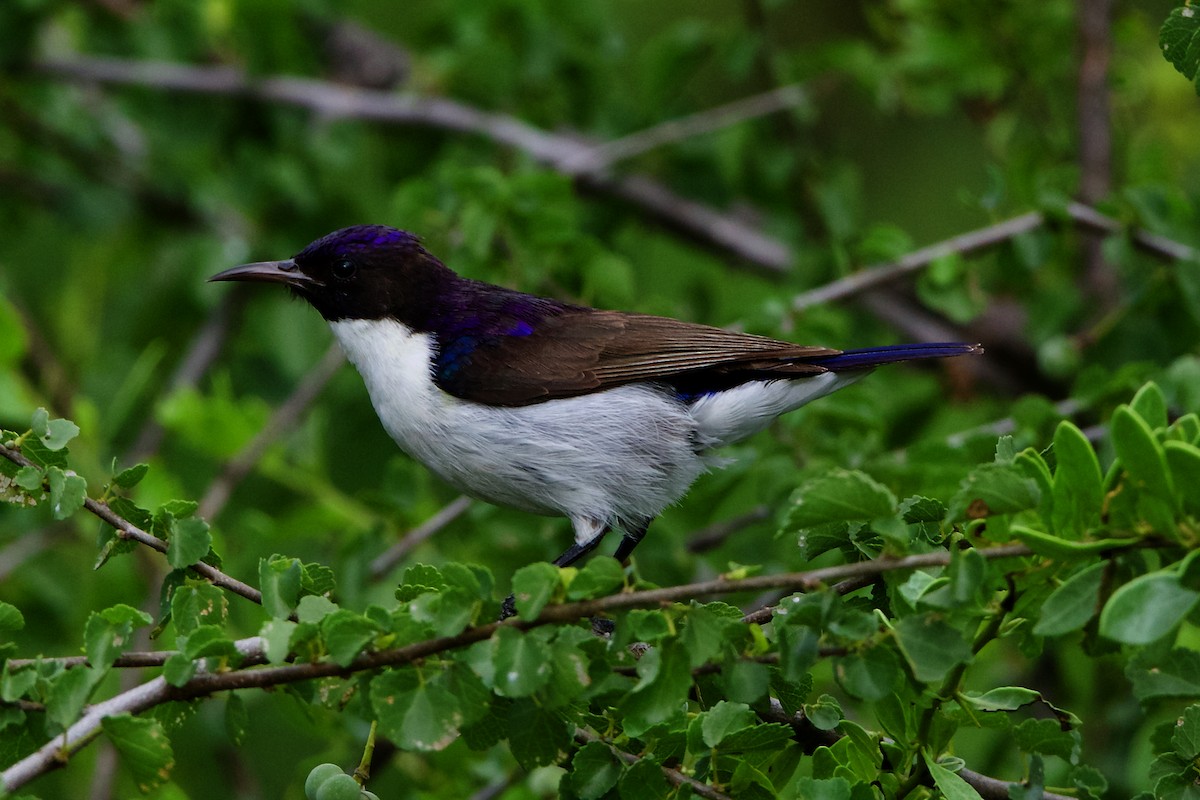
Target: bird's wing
x=581, y=350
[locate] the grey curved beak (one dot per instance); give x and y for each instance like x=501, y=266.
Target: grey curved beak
x=285, y=272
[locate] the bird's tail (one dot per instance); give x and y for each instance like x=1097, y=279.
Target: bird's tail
x=871, y=357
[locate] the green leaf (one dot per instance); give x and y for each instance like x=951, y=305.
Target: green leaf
x=109, y=633
x=144, y=748
x=69, y=693
x=825, y=714
x=594, y=770
x=665, y=678
x=447, y=612
x=1179, y=39
x=601, y=576
x=870, y=674
x=992, y=489
x=948, y=783
x=522, y=663
x=644, y=780
x=190, y=542
x=1147, y=608
x=1183, y=459
x=67, y=492
x=1141, y=453
x=746, y=681
x=822, y=789
x=931, y=646
x=346, y=634
x=840, y=496
x=30, y=479
x=317, y=579
x=1150, y=404
x=1073, y=604
x=918, y=509
x=770, y=737
x=569, y=675
x=1045, y=544
x=537, y=736
x=179, y=669
x=1186, y=736
x=207, y=641
x=196, y=604
x=131, y=477
x=11, y=618
x=415, y=713
x=1078, y=482
x=533, y=586
x=313, y=608
x=54, y=433
x=1175, y=673
x=279, y=580
x=1004, y=698
x=703, y=633
x=278, y=635
x=724, y=719
x=1045, y=736
x=419, y=579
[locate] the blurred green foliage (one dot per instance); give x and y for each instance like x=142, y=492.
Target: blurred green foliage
x=923, y=119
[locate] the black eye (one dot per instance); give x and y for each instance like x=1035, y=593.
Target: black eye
x=344, y=269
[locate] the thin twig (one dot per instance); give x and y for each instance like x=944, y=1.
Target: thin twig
x=714, y=535
x=878, y=274
x=604, y=156
x=200, y=356
x=1003, y=427
x=1083, y=216
x=673, y=775
x=1090, y=219
x=383, y=563
x=283, y=420
x=127, y=530
x=56, y=752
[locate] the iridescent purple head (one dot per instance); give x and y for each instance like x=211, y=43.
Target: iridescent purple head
x=361, y=272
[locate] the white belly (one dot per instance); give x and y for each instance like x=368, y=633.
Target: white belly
x=622, y=454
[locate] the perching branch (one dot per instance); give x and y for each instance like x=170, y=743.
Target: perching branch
x=157, y=691
x=127, y=530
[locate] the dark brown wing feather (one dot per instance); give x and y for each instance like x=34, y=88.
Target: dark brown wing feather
x=584, y=350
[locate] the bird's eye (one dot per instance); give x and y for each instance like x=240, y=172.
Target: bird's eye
x=344, y=269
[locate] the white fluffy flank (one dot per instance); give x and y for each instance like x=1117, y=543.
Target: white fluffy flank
x=726, y=417
x=622, y=454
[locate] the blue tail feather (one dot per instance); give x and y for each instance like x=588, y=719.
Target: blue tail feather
x=888, y=354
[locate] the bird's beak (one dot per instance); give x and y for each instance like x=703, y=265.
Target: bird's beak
x=285, y=272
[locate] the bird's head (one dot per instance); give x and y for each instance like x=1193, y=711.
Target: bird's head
x=361, y=272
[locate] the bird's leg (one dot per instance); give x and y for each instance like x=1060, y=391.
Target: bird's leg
x=578, y=551
x=568, y=557
x=633, y=536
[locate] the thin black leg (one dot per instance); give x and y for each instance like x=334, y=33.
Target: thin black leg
x=568, y=557
x=578, y=551
x=633, y=536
